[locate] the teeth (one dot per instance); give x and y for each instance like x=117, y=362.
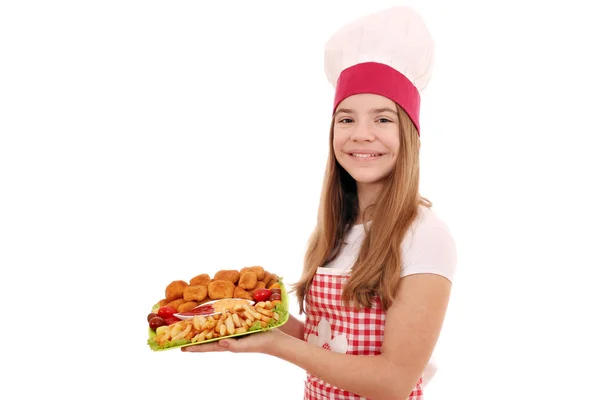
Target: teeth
x=365, y=155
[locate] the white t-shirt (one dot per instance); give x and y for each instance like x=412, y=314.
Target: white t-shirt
x=428, y=247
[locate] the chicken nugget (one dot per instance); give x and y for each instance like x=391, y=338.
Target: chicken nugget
x=175, y=290
x=220, y=289
x=195, y=293
x=259, y=285
x=240, y=293
x=163, y=302
x=266, y=278
x=187, y=306
x=248, y=280
x=274, y=279
x=206, y=300
x=259, y=271
x=176, y=303
x=227, y=275
x=202, y=279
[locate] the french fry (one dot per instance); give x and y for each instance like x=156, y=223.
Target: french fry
x=209, y=335
x=255, y=314
x=199, y=321
x=229, y=325
x=191, y=334
x=161, y=340
x=263, y=324
x=268, y=313
x=183, y=333
x=260, y=304
x=276, y=316
x=248, y=321
x=249, y=317
x=175, y=330
x=222, y=330
x=268, y=305
x=243, y=323
x=241, y=330
x=236, y=320
x=264, y=318
x=200, y=337
x=220, y=322
x=209, y=325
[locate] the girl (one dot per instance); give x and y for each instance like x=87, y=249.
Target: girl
x=379, y=265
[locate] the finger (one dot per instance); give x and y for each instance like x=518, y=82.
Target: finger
x=204, y=348
x=235, y=345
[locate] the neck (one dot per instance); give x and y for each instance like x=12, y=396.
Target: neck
x=367, y=196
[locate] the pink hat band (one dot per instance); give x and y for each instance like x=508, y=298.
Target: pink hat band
x=381, y=79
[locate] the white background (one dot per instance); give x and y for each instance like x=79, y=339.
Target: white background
x=143, y=142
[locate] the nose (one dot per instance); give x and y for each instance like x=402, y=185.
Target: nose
x=362, y=132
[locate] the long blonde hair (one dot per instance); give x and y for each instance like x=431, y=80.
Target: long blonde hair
x=376, y=272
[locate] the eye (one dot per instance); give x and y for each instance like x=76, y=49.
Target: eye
x=345, y=120
x=384, y=120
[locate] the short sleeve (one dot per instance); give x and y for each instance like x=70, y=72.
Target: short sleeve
x=429, y=247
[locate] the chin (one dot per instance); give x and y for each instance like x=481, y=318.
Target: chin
x=366, y=177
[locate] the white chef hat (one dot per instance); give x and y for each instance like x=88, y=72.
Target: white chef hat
x=389, y=53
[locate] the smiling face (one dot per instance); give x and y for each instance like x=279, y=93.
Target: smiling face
x=366, y=139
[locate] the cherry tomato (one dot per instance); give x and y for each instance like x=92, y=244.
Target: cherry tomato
x=152, y=315
x=275, y=296
x=262, y=294
x=166, y=311
x=156, y=322
x=171, y=320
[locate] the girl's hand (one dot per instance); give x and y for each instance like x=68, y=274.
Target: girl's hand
x=262, y=342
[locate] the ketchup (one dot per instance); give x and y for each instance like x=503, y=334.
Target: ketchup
x=201, y=310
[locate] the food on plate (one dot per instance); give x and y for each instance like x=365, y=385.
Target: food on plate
x=275, y=296
x=176, y=303
x=156, y=322
x=240, y=293
x=175, y=290
x=228, y=304
x=195, y=293
x=171, y=320
x=187, y=306
x=163, y=302
x=259, y=271
x=266, y=278
x=259, y=285
x=248, y=280
x=228, y=275
x=202, y=279
x=262, y=294
x=239, y=302
x=166, y=311
x=236, y=317
x=218, y=289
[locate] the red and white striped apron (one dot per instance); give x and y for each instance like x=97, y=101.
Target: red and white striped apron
x=331, y=325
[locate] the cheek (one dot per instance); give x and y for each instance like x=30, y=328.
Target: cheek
x=392, y=142
x=338, y=143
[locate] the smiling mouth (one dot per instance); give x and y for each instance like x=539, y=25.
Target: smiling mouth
x=366, y=156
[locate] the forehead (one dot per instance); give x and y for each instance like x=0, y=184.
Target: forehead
x=366, y=101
